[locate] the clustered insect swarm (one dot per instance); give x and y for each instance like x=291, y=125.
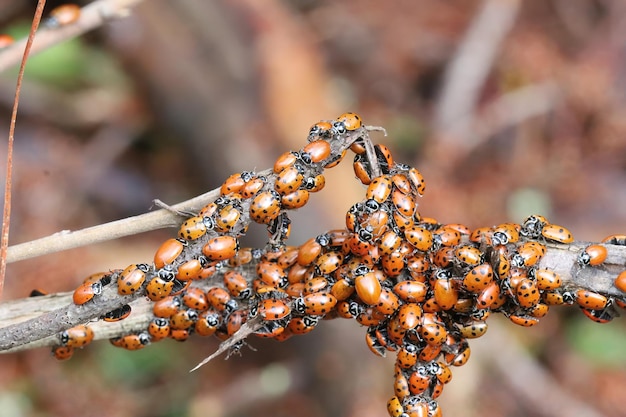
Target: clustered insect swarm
x=422, y=288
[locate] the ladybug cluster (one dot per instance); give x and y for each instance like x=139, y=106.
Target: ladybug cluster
x=422, y=288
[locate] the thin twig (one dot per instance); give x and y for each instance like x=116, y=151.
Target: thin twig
x=6, y=216
x=65, y=240
x=91, y=17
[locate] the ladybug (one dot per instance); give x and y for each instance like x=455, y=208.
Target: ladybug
x=468, y=255
x=446, y=236
x=445, y=293
x=131, y=279
x=433, y=333
x=419, y=237
x=407, y=356
x=351, y=121
x=159, y=328
x=533, y=225
x=401, y=386
x=183, y=319
x=409, y=316
x=539, y=311
x=401, y=183
x=77, y=337
x=270, y=309
x=232, y=184
x=196, y=299
x=593, y=255
x=368, y=288
x=318, y=304
x=221, y=300
x=527, y=293
x=63, y=15
x=489, y=296
x=62, y=353
x=234, y=322
x=429, y=353
x=441, y=371
x=208, y=322
x=389, y=243
x=329, y=262
x=158, y=288
x=523, y=320
x=379, y=189
x=362, y=170
x=401, y=222
x=547, y=279
x=265, y=206
x=252, y=187
x=620, y=281
x=506, y=233
x=619, y=240
x=284, y=161
x=473, y=330
x=5, y=41
x=419, y=381
x=237, y=285
x=275, y=330
x=460, y=357
x=180, y=335
x=394, y=407
x=302, y=325
x=388, y=302
x=384, y=157
x=320, y=129
x=316, y=284
x=271, y=274
x=481, y=235
x=416, y=407
x=86, y=292
x=555, y=233
x=602, y=316
x=314, y=184
x=478, y=278
x=377, y=223
x=317, y=150
x=417, y=180
x=208, y=211
x=591, y=300
x=227, y=219
x=192, y=269
x=220, y=248
x=528, y=254
x=168, y=252
x=417, y=265
x=411, y=291
x=132, y=341
x=117, y=314
x=393, y=263
x=295, y=200
x=288, y=180
x=167, y=307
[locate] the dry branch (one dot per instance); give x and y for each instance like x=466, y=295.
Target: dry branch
x=33, y=322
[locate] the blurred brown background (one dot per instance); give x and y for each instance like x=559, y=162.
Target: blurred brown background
x=507, y=108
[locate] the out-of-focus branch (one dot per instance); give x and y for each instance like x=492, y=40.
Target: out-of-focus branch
x=468, y=70
x=92, y=16
x=528, y=379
